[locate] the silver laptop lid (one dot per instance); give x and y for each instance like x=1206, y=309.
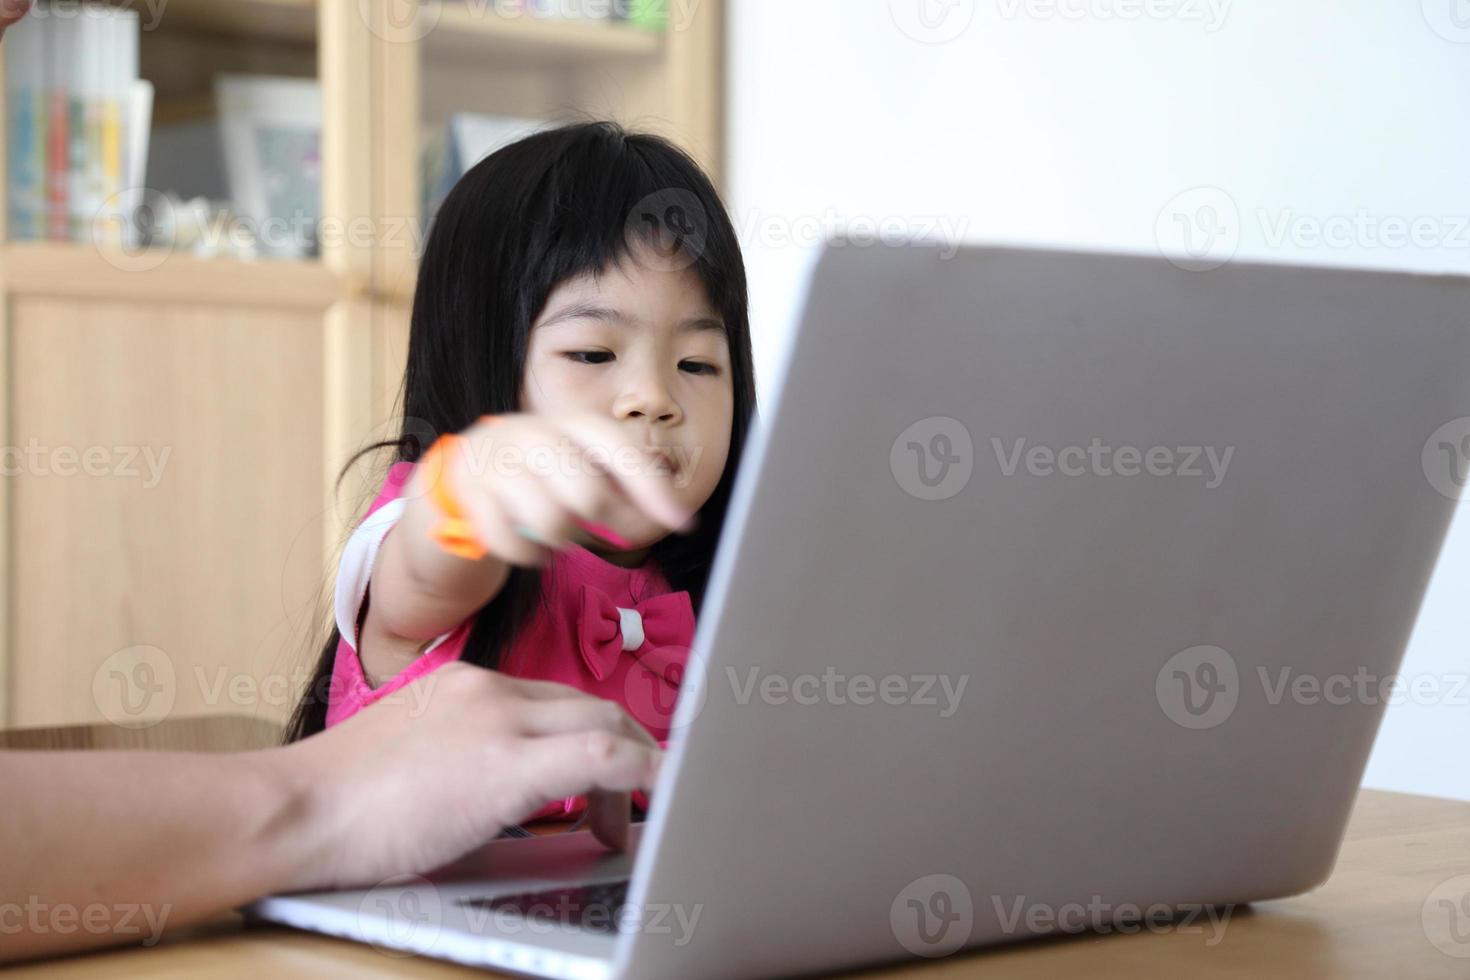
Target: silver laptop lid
x=1017, y=592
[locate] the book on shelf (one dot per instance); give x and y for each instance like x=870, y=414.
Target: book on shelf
x=466, y=139
x=650, y=14
x=77, y=123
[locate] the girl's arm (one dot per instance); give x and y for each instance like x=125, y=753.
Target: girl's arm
x=100, y=848
x=419, y=591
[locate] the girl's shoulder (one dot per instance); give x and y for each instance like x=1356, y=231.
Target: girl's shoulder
x=393, y=484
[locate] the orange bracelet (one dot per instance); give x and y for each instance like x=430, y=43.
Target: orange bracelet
x=453, y=533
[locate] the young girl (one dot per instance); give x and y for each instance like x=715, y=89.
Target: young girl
x=577, y=396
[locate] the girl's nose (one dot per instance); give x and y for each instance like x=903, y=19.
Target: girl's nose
x=649, y=399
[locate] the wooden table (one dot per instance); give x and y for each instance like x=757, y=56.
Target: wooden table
x=1403, y=854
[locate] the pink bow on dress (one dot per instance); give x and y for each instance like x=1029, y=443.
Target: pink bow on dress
x=657, y=632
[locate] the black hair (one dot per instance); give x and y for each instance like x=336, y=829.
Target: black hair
x=555, y=205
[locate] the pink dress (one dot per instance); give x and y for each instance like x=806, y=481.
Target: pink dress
x=615, y=632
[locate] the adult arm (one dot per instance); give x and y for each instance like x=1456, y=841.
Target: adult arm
x=113, y=847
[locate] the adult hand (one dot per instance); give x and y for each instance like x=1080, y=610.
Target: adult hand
x=442, y=765
x=405, y=786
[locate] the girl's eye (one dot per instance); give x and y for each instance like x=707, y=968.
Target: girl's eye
x=582, y=357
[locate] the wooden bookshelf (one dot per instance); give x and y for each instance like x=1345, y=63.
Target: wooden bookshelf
x=465, y=32
x=262, y=377
x=243, y=20
x=70, y=269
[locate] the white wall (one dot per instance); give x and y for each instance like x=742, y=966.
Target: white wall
x=1085, y=122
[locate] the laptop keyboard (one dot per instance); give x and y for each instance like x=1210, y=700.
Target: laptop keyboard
x=596, y=907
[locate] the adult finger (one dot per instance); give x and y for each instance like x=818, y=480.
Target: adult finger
x=609, y=816
x=558, y=766
x=568, y=715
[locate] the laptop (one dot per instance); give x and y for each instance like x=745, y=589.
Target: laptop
x=1041, y=606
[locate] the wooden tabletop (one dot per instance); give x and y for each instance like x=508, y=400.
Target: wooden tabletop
x=1397, y=905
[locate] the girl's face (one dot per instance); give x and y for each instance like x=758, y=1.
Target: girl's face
x=640, y=344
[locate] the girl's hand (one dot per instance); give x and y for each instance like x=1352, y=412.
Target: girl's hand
x=525, y=482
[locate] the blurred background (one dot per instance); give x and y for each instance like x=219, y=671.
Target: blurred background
x=213, y=208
